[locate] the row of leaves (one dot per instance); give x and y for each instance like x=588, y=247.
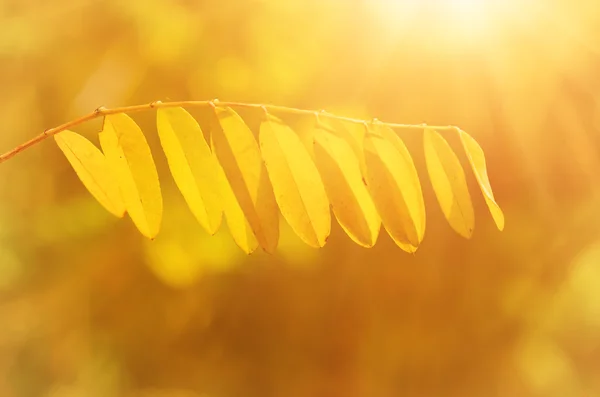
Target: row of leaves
x=365, y=175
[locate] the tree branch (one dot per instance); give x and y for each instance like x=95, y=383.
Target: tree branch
x=100, y=112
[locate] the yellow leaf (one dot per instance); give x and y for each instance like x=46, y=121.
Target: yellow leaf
x=304, y=127
x=297, y=185
x=389, y=181
x=236, y=220
x=449, y=183
x=477, y=159
x=352, y=133
x=412, y=189
x=349, y=197
x=239, y=155
x=93, y=170
x=191, y=163
x=130, y=158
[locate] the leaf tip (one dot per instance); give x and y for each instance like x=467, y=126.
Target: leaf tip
x=499, y=220
x=468, y=233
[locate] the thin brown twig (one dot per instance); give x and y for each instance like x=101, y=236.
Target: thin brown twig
x=100, y=112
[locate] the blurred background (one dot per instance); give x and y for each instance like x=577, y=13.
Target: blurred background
x=88, y=307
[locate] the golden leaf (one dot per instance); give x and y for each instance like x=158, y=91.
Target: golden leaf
x=297, y=185
x=236, y=220
x=412, y=185
x=129, y=157
x=192, y=164
x=349, y=197
x=477, y=159
x=93, y=170
x=353, y=134
x=389, y=180
x=304, y=127
x=449, y=183
x=239, y=155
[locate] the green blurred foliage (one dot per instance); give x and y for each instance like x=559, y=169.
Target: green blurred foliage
x=88, y=307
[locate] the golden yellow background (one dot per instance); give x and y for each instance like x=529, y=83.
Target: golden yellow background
x=88, y=307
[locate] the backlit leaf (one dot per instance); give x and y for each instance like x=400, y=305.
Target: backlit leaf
x=352, y=133
x=389, y=181
x=477, y=159
x=412, y=185
x=130, y=159
x=449, y=183
x=239, y=155
x=191, y=163
x=304, y=127
x=297, y=185
x=234, y=216
x=349, y=197
x=93, y=170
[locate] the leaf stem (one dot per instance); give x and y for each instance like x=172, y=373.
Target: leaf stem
x=100, y=112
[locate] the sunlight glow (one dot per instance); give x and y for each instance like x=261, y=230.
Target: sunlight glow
x=466, y=7
x=454, y=21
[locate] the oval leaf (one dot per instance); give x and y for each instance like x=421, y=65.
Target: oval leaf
x=477, y=159
x=191, y=163
x=297, y=185
x=130, y=158
x=303, y=126
x=239, y=155
x=389, y=182
x=352, y=133
x=236, y=220
x=449, y=183
x=93, y=170
x=349, y=197
x=412, y=184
